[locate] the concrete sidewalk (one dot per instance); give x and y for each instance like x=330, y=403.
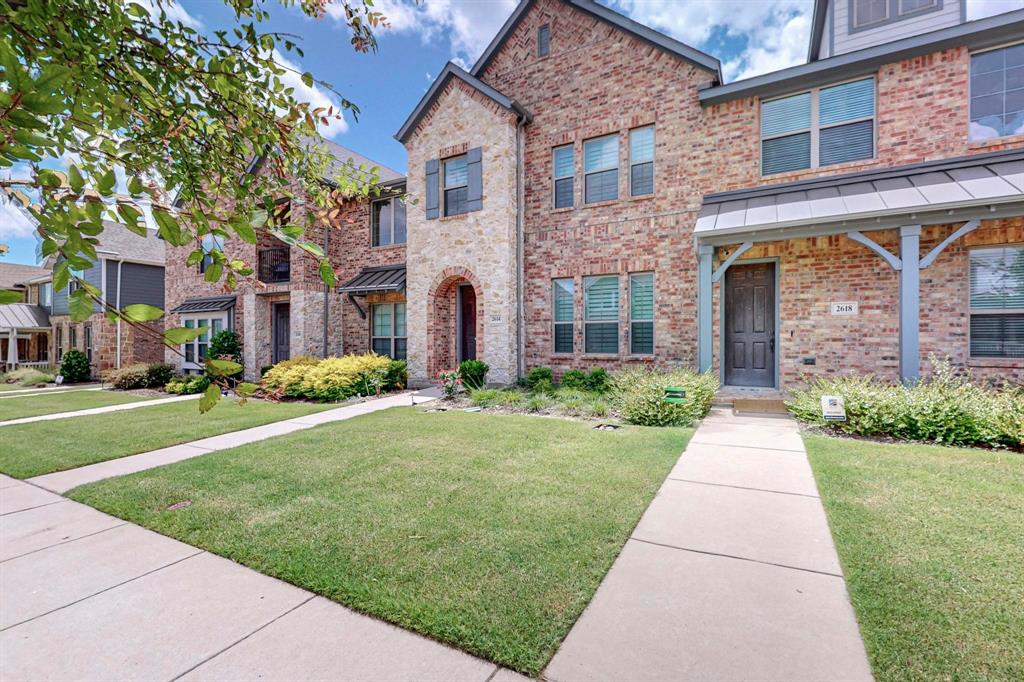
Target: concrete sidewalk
x=62, y=481
x=731, y=573
x=98, y=410
x=84, y=595
x=29, y=392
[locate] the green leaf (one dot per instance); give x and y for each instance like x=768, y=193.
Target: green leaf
x=213, y=272
x=179, y=335
x=75, y=179
x=222, y=368
x=209, y=399
x=310, y=247
x=259, y=218
x=244, y=230
x=167, y=226
x=106, y=183
x=54, y=76
x=307, y=79
x=246, y=390
x=327, y=273
x=130, y=217
x=61, y=276
x=140, y=312
x=79, y=305
x=135, y=186
x=11, y=296
x=47, y=178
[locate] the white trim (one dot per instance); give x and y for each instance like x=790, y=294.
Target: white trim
x=195, y=317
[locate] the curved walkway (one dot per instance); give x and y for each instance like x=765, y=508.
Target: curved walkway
x=731, y=573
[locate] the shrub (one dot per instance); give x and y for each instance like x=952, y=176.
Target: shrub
x=129, y=377
x=74, y=366
x=397, y=375
x=538, y=374
x=944, y=409
x=597, y=380
x=575, y=378
x=287, y=375
x=538, y=403
x=564, y=395
x=28, y=376
x=599, y=408
x=450, y=382
x=485, y=397
x=158, y=374
x=543, y=387
x=332, y=379
x=474, y=373
x=224, y=345
x=188, y=385
x=639, y=395
x=511, y=397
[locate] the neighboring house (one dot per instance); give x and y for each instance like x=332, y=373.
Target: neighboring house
x=591, y=194
x=287, y=310
x=25, y=326
x=129, y=269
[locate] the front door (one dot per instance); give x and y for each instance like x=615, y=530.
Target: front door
x=750, y=325
x=467, y=323
x=281, y=331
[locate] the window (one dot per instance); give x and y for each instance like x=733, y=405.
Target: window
x=388, y=337
x=997, y=93
x=210, y=243
x=59, y=342
x=73, y=337
x=563, y=305
x=46, y=294
x=195, y=350
x=387, y=222
x=997, y=302
x=912, y=6
x=456, y=182
x=601, y=169
x=563, y=170
x=544, y=40
x=87, y=340
x=868, y=12
x=601, y=314
x=641, y=161
x=818, y=128
x=73, y=280
x=641, y=313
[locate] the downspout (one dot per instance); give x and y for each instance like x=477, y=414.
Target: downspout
x=117, y=360
x=327, y=288
x=520, y=308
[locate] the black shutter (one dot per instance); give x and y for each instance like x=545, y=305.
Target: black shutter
x=475, y=179
x=432, y=203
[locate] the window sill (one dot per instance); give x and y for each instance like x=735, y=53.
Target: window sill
x=388, y=247
x=564, y=209
x=602, y=356
x=817, y=171
x=642, y=197
x=599, y=204
x=457, y=216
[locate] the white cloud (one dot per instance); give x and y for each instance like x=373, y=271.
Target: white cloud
x=173, y=9
x=14, y=224
x=315, y=95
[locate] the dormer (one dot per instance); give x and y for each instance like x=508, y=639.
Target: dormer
x=841, y=26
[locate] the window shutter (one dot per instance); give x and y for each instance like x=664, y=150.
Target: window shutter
x=475, y=180
x=433, y=205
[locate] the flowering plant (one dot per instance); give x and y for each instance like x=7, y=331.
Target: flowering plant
x=450, y=381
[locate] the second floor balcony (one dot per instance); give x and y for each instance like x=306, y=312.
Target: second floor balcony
x=273, y=265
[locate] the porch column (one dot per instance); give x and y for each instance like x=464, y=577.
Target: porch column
x=705, y=254
x=910, y=303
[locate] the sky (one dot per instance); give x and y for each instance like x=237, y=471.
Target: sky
x=750, y=37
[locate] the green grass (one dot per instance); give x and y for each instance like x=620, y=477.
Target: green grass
x=58, y=401
x=932, y=545
x=77, y=441
x=487, y=532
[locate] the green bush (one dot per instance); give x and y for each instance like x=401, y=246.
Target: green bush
x=575, y=378
x=188, y=385
x=543, y=387
x=397, y=376
x=74, y=367
x=28, y=376
x=511, y=397
x=538, y=403
x=639, y=396
x=332, y=379
x=158, y=374
x=224, y=345
x=944, y=408
x=599, y=408
x=140, y=375
x=484, y=397
x=473, y=373
x=597, y=380
x=538, y=374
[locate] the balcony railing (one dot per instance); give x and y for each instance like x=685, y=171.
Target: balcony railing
x=274, y=265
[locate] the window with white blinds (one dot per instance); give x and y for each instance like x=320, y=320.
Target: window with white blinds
x=641, y=161
x=641, y=313
x=601, y=314
x=601, y=169
x=563, y=305
x=562, y=172
x=997, y=302
x=822, y=127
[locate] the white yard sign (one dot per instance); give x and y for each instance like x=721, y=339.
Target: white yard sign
x=844, y=307
x=832, y=408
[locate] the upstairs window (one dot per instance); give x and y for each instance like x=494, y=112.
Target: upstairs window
x=641, y=161
x=46, y=294
x=387, y=218
x=563, y=305
x=822, y=127
x=997, y=93
x=997, y=302
x=389, y=335
x=601, y=314
x=913, y=6
x=75, y=278
x=544, y=40
x=456, y=182
x=601, y=169
x=868, y=12
x=211, y=243
x=562, y=173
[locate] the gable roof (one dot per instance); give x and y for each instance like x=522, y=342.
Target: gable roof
x=452, y=71
x=609, y=16
x=118, y=242
x=13, y=275
x=343, y=156
x=817, y=29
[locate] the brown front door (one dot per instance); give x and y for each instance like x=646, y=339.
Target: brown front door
x=467, y=323
x=282, y=331
x=750, y=325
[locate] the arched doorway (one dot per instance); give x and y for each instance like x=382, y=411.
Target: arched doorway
x=455, y=325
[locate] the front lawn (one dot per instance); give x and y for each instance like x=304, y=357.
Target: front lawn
x=48, y=446
x=53, y=402
x=932, y=545
x=487, y=532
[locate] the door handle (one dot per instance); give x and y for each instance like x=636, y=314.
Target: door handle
x=771, y=344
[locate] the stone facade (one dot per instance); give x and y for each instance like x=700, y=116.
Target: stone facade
x=137, y=344
x=476, y=248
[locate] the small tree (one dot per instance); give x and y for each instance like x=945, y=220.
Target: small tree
x=225, y=345
x=74, y=366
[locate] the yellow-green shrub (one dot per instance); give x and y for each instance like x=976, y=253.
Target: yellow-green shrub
x=333, y=378
x=287, y=375
x=639, y=396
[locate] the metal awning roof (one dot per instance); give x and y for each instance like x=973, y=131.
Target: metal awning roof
x=932, y=193
x=385, y=278
x=209, y=304
x=24, y=316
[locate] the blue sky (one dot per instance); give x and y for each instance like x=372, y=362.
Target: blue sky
x=748, y=36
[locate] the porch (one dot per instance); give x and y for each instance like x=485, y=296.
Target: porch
x=24, y=336
x=863, y=273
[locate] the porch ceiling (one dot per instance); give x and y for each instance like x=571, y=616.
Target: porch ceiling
x=24, y=317
x=981, y=186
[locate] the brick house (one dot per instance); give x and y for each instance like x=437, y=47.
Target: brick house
x=591, y=194
x=287, y=311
